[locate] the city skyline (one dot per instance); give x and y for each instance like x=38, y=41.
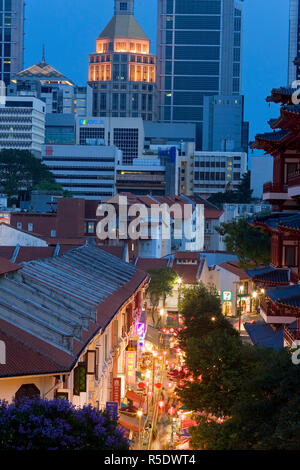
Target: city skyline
x=259, y=69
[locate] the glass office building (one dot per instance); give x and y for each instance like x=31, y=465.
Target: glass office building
x=198, y=54
x=11, y=38
x=294, y=41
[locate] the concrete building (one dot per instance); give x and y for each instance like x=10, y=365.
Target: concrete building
x=122, y=71
x=224, y=128
x=198, y=54
x=88, y=172
x=125, y=133
x=294, y=45
x=60, y=129
x=22, y=124
x=217, y=171
x=11, y=38
x=175, y=134
x=49, y=85
x=261, y=173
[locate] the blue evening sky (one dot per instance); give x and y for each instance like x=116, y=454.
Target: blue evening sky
x=69, y=29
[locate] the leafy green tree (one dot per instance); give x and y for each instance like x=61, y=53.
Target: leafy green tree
x=161, y=285
x=242, y=194
x=250, y=244
x=21, y=171
x=50, y=186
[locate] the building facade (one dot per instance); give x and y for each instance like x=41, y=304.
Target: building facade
x=122, y=72
x=294, y=45
x=217, y=171
x=125, y=133
x=22, y=126
x=198, y=54
x=87, y=172
x=224, y=128
x=11, y=38
x=49, y=85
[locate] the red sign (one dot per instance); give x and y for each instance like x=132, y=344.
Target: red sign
x=116, y=391
x=130, y=367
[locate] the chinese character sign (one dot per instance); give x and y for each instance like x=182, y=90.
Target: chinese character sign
x=130, y=367
x=117, y=390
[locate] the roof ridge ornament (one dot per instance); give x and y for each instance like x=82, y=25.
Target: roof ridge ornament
x=43, y=54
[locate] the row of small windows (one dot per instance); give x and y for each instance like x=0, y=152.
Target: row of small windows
x=215, y=176
x=5, y=5
x=195, y=22
x=184, y=98
x=211, y=164
x=184, y=113
x=192, y=68
x=194, y=37
x=193, y=83
x=209, y=7
x=87, y=177
x=53, y=166
x=193, y=53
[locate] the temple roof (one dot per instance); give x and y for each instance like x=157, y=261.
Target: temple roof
x=123, y=26
x=269, y=275
x=43, y=71
x=277, y=219
x=292, y=222
x=288, y=295
x=273, y=136
x=280, y=95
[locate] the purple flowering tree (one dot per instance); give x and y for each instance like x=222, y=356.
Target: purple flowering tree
x=35, y=424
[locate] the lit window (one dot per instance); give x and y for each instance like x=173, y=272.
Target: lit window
x=91, y=227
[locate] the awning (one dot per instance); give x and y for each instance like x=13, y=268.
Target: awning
x=135, y=397
x=131, y=422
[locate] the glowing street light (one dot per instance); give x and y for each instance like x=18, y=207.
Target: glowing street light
x=139, y=415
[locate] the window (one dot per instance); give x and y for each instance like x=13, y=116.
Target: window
x=91, y=227
x=53, y=233
x=123, y=6
x=19, y=225
x=30, y=227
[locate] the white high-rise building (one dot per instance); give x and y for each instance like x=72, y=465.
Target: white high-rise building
x=22, y=124
x=294, y=38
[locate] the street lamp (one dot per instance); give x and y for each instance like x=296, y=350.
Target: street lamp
x=139, y=415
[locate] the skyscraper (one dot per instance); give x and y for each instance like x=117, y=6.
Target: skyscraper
x=11, y=38
x=294, y=41
x=122, y=71
x=198, y=54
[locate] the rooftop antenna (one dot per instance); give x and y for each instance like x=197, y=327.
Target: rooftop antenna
x=43, y=57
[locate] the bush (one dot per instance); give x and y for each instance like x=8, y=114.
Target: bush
x=34, y=424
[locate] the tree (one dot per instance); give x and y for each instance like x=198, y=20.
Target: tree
x=250, y=244
x=161, y=285
x=34, y=424
x=21, y=171
x=242, y=194
x=266, y=415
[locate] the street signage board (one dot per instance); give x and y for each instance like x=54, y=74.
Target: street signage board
x=112, y=407
x=227, y=295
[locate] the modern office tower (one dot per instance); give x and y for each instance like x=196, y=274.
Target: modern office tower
x=198, y=54
x=60, y=129
x=86, y=172
x=294, y=41
x=49, y=85
x=125, y=133
x=11, y=38
x=224, y=128
x=22, y=124
x=122, y=71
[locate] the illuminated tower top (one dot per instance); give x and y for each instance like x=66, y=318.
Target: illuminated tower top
x=124, y=7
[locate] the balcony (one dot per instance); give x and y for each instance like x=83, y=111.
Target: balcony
x=275, y=192
x=294, y=185
x=274, y=314
x=291, y=336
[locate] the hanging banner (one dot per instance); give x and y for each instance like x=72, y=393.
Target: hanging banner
x=116, y=391
x=130, y=367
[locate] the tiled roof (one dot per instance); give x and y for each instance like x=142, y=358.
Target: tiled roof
x=270, y=275
x=213, y=213
x=189, y=273
x=145, y=264
x=123, y=26
x=289, y=295
x=273, y=136
x=292, y=222
x=113, y=250
x=8, y=267
x=263, y=335
x=44, y=71
x=187, y=255
x=29, y=253
x=60, y=303
x=233, y=267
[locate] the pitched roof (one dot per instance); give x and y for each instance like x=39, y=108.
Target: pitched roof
x=285, y=295
x=189, y=273
x=233, y=267
x=263, y=335
x=213, y=213
x=43, y=71
x=270, y=275
x=59, y=304
x=151, y=263
x=7, y=266
x=123, y=26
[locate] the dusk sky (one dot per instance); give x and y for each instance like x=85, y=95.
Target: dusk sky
x=69, y=29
